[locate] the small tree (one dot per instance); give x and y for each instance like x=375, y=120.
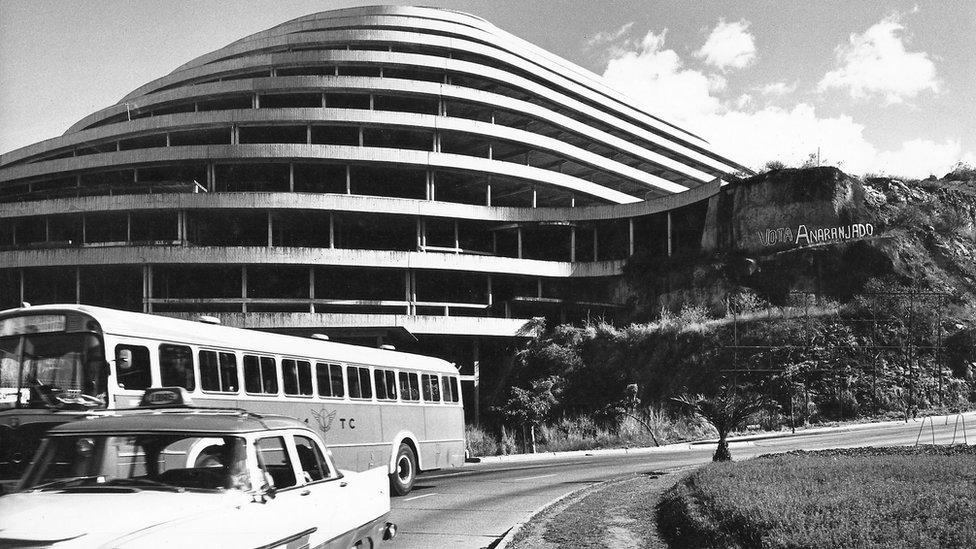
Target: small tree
x=630, y=406
x=725, y=412
x=530, y=407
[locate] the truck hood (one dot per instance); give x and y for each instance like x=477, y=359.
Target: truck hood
x=91, y=519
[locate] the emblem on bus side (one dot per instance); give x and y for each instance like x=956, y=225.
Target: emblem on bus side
x=324, y=419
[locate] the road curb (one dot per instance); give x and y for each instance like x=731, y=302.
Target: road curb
x=514, y=530
x=543, y=456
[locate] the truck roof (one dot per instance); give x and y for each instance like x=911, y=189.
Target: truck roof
x=178, y=420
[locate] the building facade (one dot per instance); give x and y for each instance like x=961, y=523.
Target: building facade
x=411, y=175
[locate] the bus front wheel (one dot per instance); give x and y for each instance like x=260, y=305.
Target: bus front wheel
x=404, y=471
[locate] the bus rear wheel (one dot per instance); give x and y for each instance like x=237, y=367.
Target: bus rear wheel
x=404, y=471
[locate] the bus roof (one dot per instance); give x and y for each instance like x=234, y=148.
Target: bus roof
x=178, y=420
x=162, y=328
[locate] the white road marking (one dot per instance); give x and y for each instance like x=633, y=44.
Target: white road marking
x=531, y=478
x=420, y=496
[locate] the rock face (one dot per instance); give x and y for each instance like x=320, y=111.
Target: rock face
x=787, y=208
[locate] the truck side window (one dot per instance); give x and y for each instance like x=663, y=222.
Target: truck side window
x=273, y=459
x=311, y=459
x=132, y=367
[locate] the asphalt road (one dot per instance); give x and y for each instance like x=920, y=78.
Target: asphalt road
x=473, y=506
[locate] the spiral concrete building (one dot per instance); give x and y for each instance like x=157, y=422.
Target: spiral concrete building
x=412, y=175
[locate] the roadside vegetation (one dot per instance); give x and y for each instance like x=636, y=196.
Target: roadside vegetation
x=886, y=329
x=867, y=498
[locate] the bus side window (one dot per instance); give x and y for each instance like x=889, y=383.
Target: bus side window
x=455, y=395
x=259, y=375
x=176, y=366
x=414, y=387
x=359, y=385
x=385, y=384
x=330, y=379
x=218, y=374
x=446, y=388
x=228, y=372
x=405, y=392
x=391, y=384
x=132, y=367
x=296, y=376
x=432, y=392
x=380, y=381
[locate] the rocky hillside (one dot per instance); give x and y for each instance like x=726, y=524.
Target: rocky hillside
x=820, y=231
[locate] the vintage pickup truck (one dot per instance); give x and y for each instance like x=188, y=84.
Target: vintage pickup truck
x=167, y=475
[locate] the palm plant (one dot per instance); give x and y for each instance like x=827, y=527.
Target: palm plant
x=725, y=411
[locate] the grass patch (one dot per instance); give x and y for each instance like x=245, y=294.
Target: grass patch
x=869, y=498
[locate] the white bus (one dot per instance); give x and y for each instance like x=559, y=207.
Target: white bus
x=372, y=406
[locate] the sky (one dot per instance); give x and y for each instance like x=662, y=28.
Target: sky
x=873, y=86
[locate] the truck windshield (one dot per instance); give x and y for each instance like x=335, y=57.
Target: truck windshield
x=54, y=368
x=113, y=462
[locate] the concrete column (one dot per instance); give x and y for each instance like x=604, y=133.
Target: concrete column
x=167, y=138
x=243, y=288
x=270, y=239
x=488, y=193
x=518, y=235
x=145, y=288
x=538, y=288
x=596, y=242
x=77, y=284
x=211, y=177
x=670, y=245
x=360, y=127
x=128, y=227
x=406, y=291
x=47, y=229
x=348, y=179
x=630, y=240
x=457, y=239
x=311, y=290
x=535, y=197
x=423, y=233
x=323, y=100
x=255, y=102
x=150, y=278
x=476, y=362
x=420, y=242
x=331, y=230
x=572, y=244
x=491, y=298
x=21, y=273
x=291, y=177
x=84, y=229
x=308, y=134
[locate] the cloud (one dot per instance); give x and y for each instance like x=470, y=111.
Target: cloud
x=657, y=78
x=778, y=88
x=730, y=45
x=603, y=38
x=876, y=64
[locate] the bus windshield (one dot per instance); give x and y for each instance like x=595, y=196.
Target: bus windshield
x=55, y=368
